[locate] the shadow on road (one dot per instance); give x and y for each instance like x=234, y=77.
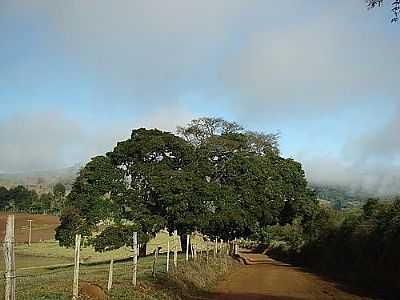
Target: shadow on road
x=247, y=296
x=364, y=292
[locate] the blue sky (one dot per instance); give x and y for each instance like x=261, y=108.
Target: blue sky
x=77, y=76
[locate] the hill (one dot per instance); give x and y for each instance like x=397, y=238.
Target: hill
x=341, y=197
x=41, y=181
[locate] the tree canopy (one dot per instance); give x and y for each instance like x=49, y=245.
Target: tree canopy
x=213, y=176
x=22, y=199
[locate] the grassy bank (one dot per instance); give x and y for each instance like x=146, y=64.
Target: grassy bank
x=190, y=281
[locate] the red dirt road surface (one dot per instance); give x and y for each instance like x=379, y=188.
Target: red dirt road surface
x=267, y=279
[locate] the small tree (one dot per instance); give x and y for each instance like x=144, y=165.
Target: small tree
x=59, y=195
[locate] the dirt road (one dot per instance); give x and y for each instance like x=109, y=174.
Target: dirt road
x=265, y=278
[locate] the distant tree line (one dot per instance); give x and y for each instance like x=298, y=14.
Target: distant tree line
x=213, y=176
x=21, y=199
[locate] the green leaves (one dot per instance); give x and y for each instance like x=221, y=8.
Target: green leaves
x=217, y=179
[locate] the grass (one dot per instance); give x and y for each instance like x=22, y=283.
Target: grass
x=88, y=255
x=38, y=277
x=56, y=282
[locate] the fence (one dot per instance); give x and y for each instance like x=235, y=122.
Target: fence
x=61, y=280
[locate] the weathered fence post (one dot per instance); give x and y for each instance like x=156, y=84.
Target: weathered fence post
x=175, y=248
x=216, y=247
x=187, y=246
x=110, y=275
x=168, y=256
x=135, y=258
x=9, y=259
x=30, y=232
x=155, y=262
x=75, y=289
x=236, y=249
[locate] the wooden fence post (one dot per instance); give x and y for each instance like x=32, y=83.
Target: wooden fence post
x=168, y=250
x=9, y=259
x=236, y=249
x=110, y=275
x=216, y=247
x=155, y=262
x=30, y=233
x=75, y=289
x=187, y=246
x=175, y=249
x=135, y=258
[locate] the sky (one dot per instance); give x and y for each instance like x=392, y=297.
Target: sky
x=78, y=76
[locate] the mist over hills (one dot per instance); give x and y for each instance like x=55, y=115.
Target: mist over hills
x=41, y=181
x=338, y=195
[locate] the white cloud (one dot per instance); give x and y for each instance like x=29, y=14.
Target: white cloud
x=370, y=161
x=50, y=140
x=270, y=59
x=37, y=141
x=381, y=145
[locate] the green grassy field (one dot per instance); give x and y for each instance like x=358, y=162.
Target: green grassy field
x=45, y=271
x=36, y=281
x=51, y=283
x=49, y=253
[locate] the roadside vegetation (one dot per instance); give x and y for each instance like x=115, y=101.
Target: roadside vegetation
x=358, y=245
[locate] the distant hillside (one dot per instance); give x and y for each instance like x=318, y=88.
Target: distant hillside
x=340, y=196
x=41, y=181
x=346, y=196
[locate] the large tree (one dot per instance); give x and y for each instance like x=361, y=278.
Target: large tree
x=216, y=178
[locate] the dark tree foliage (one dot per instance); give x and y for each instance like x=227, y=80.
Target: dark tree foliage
x=59, y=190
x=4, y=197
x=216, y=178
x=360, y=244
x=72, y=224
x=395, y=7
x=21, y=199
x=18, y=198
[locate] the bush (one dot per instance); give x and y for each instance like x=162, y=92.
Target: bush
x=290, y=235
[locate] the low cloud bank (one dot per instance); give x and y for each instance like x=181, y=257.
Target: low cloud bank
x=370, y=162
x=50, y=140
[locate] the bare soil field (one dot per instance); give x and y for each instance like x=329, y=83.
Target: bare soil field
x=43, y=226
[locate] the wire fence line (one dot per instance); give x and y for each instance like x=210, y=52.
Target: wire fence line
x=56, y=279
